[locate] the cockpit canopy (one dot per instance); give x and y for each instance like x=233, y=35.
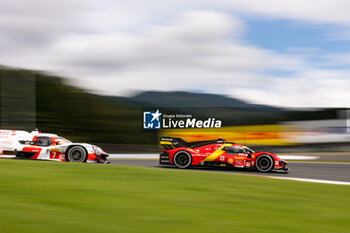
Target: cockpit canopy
x=237, y=149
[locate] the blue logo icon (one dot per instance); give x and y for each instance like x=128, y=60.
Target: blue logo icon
x=151, y=120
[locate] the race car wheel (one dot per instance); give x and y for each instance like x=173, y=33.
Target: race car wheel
x=182, y=159
x=264, y=163
x=77, y=154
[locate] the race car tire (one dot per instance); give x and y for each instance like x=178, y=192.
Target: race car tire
x=77, y=154
x=182, y=159
x=264, y=163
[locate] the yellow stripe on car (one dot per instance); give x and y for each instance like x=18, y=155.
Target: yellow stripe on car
x=166, y=142
x=55, y=149
x=216, y=153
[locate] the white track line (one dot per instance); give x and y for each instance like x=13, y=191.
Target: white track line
x=298, y=157
x=331, y=162
x=134, y=156
x=8, y=156
x=309, y=180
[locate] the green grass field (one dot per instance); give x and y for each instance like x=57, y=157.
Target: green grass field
x=45, y=197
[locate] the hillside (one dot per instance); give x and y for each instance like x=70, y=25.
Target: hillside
x=197, y=100
x=68, y=110
x=32, y=99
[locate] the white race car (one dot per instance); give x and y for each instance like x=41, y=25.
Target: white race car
x=44, y=146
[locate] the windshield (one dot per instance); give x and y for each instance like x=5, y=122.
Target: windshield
x=62, y=141
x=248, y=150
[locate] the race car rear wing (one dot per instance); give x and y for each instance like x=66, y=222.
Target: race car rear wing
x=169, y=143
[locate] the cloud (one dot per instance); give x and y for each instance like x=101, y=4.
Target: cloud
x=183, y=55
x=312, y=11
x=114, y=47
x=307, y=88
x=196, y=50
x=37, y=21
x=326, y=11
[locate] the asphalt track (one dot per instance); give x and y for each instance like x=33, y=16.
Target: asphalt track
x=306, y=170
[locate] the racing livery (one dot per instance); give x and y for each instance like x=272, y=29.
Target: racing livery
x=182, y=154
x=44, y=146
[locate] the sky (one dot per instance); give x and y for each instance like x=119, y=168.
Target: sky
x=288, y=53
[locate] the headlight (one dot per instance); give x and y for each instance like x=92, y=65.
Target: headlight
x=97, y=150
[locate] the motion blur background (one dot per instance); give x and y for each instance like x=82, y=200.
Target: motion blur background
x=276, y=72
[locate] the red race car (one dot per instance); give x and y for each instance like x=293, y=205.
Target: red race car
x=182, y=154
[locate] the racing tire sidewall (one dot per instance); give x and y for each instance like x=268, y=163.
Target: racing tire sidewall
x=265, y=158
x=77, y=149
x=180, y=153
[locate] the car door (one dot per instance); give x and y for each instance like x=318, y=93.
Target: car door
x=235, y=155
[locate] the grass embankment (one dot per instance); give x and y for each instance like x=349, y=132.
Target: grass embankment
x=38, y=196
